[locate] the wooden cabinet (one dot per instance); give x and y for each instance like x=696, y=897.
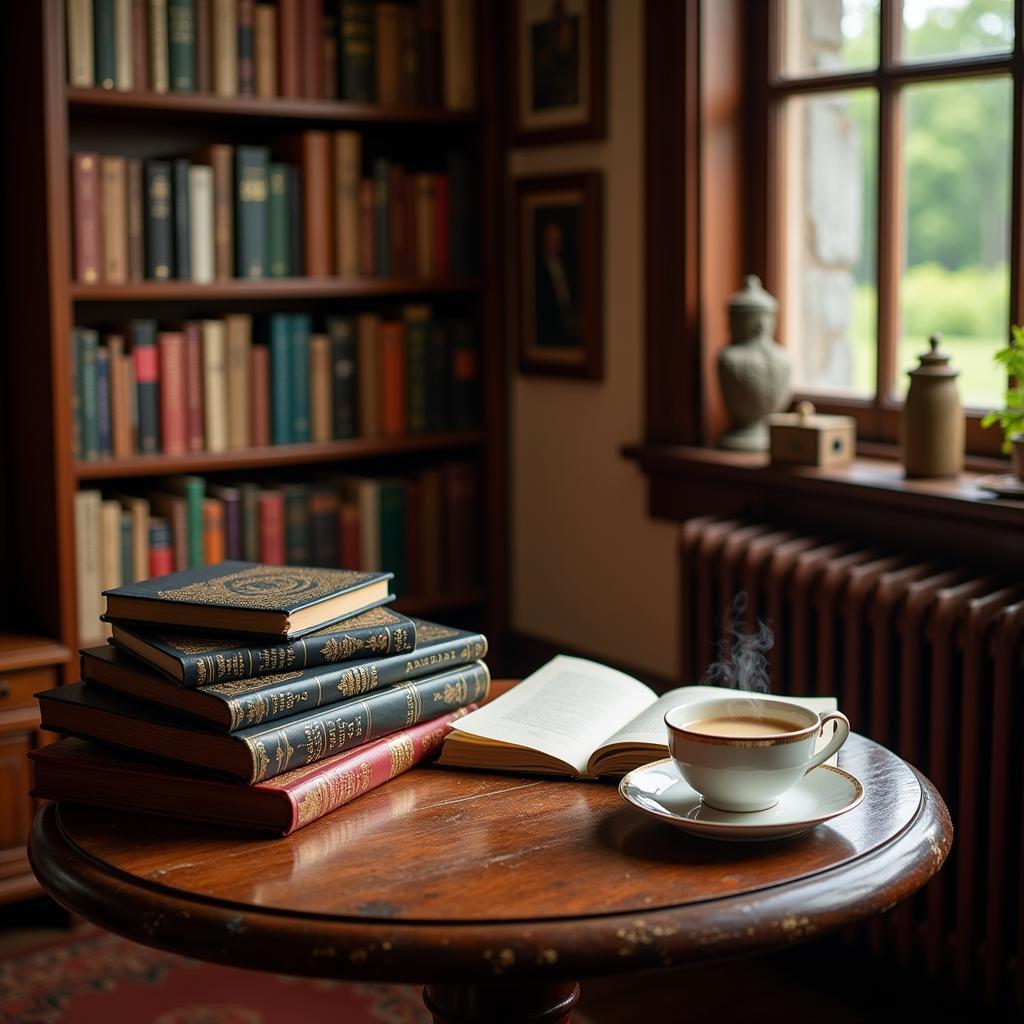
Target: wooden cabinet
x=27, y=665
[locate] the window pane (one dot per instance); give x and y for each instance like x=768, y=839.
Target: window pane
x=823, y=36
x=948, y=28
x=828, y=304
x=957, y=186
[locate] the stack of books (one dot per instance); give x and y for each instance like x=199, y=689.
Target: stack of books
x=254, y=696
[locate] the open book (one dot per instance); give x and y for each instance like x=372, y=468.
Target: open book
x=576, y=717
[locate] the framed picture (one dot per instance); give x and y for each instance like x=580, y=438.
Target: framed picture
x=559, y=259
x=559, y=85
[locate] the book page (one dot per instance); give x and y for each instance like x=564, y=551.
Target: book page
x=566, y=709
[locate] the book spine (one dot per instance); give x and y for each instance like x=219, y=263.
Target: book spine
x=317, y=202
x=124, y=77
x=417, y=334
x=134, y=219
x=323, y=525
x=311, y=28
x=85, y=188
x=413, y=537
x=381, y=218
x=442, y=227
x=147, y=376
x=259, y=396
x=222, y=161
x=77, y=426
x=239, y=349
x=347, y=177
x=194, y=488
x=428, y=26
x=349, y=544
x=173, y=412
x=341, y=331
x=103, y=431
x=110, y=548
x=278, y=231
x=388, y=69
x=251, y=167
x=320, y=388
x=424, y=202
x=340, y=728
x=271, y=527
x=246, y=47
x=367, y=375
x=159, y=230
x=81, y=51
x=391, y=383
x=215, y=385
x=348, y=776
x=114, y=210
x=204, y=81
x=296, y=524
x=289, y=32
x=159, y=70
x=121, y=382
x=181, y=45
x=104, y=43
x=214, y=542
x=408, y=57
x=356, y=51
x=265, y=50
x=232, y=527
x=140, y=44
x=182, y=222
x=250, y=494
x=296, y=248
x=392, y=532
x=367, y=256
x=430, y=547
x=301, y=329
x=195, y=413
x=461, y=519
x=87, y=349
x=161, y=553
x=398, y=221
x=459, y=48
x=329, y=58
x=464, y=384
x=87, y=563
x=200, y=204
x=224, y=40
x=280, y=372
x=437, y=377
x=127, y=549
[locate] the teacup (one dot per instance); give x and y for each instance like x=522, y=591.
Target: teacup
x=742, y=753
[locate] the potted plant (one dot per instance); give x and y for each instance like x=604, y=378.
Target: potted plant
x=1011, y=416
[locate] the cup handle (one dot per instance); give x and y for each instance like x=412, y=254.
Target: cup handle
x=840, y=737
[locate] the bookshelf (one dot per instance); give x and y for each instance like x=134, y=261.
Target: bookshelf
x=50, y=121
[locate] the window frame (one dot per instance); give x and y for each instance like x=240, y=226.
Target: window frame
x=878, y=417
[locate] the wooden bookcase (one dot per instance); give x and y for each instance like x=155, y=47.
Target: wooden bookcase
x=49, y=121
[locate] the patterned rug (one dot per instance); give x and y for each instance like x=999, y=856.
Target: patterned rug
x=93, y=977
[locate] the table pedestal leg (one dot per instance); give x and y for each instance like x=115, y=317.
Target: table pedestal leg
x=519, y=1003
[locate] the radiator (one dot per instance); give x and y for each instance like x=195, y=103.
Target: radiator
x=924, y=657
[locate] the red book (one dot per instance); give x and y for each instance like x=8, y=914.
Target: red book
x=289, y=48
x=85, y=206
x=194, y=385
x=391, y=380
x=259, y=398
x=413, y=539
x=140, y=45
x=349, y=541
x=136, y=239
x=214, y=543
x=442, y=237
x=161, y=550
x=173, y=407
x=270, y=512
x=312, y=152
x=366, y=227
x=77, y=771
x=312, y=47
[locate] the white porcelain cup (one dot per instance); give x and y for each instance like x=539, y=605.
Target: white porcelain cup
x=743, y=772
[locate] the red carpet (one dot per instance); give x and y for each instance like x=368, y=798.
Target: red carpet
x=93, y=977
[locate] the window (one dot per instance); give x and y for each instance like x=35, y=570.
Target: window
x=892, y=197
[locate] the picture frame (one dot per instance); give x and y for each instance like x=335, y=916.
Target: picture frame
x=559, y=261
x=558, y=63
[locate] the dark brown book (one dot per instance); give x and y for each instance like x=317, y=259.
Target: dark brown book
x=329, y=63
x=246, y=62
x=221, y=158
x=136, y=238
x=311, y=151
x=428, y=25
x=289, y=43
x=204, y=79
x=461, y=518
x=140, y=44
x=85, y=185
x=408, y=57
x=389, y=71
x=399, y=215
x=259, y=396
x=366, y=210
x=312, y=28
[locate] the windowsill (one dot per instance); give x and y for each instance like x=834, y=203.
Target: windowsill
x=714, y=477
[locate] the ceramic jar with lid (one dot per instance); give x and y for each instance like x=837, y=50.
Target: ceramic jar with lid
x=933, y=418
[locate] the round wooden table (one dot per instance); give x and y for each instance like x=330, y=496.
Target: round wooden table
x=498, y=891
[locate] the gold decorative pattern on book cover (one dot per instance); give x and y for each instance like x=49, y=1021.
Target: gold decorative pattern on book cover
x=266, y=587
x=329, y=793
x=401, y=752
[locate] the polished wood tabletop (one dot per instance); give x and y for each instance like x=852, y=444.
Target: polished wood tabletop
x=499, y=891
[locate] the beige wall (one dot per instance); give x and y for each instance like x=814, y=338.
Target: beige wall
x=590, y=570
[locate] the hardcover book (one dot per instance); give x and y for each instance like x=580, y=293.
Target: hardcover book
x=246, y=597
x=260, y=752
x=579, y=718
x=236, y=703
x=77, y=771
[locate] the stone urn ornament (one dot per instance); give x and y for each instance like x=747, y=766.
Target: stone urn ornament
x=753, y=371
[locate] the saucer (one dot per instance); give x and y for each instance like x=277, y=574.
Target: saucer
x=1003, y=485
x=658, y=789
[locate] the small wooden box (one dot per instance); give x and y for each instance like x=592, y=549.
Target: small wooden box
x=805, y=438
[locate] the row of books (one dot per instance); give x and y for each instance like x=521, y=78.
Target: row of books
x=415, y=54
x=209, y=385
x=234, y=211
x=425, y=527
x=254, y=695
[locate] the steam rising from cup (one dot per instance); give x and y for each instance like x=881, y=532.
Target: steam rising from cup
x=742, y=664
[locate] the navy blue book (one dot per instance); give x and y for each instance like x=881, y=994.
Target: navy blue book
x=182, y=222
x=246, y=597
x=258, y=752
x=240, y=703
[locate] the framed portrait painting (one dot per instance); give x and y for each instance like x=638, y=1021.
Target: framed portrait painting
x=559, y=71
x=559, y=259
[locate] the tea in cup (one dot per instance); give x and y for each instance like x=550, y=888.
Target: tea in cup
x=742, y=753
